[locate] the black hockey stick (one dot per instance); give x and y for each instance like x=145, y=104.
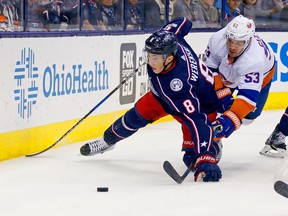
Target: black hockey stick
x=92, y=110
x=170, y=170
x=281, y=188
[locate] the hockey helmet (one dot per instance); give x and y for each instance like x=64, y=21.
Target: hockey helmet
x=162, y=42
x=240, y=29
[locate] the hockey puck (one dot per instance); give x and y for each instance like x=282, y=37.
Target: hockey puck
x=102, y=189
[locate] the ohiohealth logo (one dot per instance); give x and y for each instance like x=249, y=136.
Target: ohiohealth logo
x=26, y=74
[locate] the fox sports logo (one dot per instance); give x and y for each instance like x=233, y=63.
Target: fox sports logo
x=26, y=89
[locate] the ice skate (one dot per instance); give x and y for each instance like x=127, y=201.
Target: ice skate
x=98, y=146
x=275, y=145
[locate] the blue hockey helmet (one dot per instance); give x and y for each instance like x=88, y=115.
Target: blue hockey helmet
x=162, y=42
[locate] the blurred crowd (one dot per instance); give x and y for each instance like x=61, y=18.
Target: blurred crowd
x=68, y=15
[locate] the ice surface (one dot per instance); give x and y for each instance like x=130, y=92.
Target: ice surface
x=59, y=182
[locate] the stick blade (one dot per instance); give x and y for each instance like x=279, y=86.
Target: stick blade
x=169, y=169
x=40, y=152
x=281, y=188
x=33, y=154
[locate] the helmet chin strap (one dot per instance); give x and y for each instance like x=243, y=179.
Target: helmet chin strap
x=245, y=46
x=165, y=66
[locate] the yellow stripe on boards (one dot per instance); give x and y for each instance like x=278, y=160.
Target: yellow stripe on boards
x=276, y=100
x=22, y=142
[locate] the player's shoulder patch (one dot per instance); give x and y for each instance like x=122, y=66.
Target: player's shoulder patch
x=176, y=84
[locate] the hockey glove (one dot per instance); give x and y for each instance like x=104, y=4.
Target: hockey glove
x=206, y=169
x=229, y=122
x=225, y=98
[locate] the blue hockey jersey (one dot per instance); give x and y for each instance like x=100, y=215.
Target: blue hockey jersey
x=186, y=90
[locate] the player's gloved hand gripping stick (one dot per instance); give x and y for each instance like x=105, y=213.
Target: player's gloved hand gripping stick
x=170, y=170
x=92, y=110
x=228, y=122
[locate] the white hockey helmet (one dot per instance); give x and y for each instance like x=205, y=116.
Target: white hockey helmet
x=240, y=29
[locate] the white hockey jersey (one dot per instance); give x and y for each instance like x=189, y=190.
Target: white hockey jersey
x=248, y=73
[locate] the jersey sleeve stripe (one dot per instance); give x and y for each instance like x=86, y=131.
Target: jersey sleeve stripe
x=241, y=107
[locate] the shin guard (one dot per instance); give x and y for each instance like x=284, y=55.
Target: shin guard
x=125, y=126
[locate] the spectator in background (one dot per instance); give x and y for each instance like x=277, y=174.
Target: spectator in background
x=51, y=14
x=134, y=15
x=33, y=16
x=284, y=11
x=248, y=8
x=70, y=9
x=191, y=10
x=231, y=10
x=161, y=4
x=152, y=15
x=210, y=13
x=91, y=16
x=18, y=4
x=9, y=16
x=269, y=8
x=217, y=5
x=111, y=13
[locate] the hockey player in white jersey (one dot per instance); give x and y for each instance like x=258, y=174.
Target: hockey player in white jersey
x=241, y=61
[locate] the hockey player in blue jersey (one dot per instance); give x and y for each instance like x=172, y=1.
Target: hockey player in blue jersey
x=181, y=86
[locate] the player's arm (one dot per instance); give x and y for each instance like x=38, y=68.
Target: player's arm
x=180, y=26
x=212, y=58
x=204, y=162
x=187, y=106
x=212, y=61
x=245, y=102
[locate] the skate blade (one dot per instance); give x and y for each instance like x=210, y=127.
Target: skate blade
x=273, y=154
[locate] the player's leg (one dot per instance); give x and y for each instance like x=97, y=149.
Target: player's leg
x=275, y=145
x=283, y=125
x=259, y=106
x=146, y=110
x=188, y=145
x=209, y=106
x=267, y=150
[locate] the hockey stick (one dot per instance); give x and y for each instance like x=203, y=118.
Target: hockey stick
x=281, y=188
x=170, y=170
x=92, y=110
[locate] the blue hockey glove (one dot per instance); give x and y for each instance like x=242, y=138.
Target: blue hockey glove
x=206, y=169
x=225, y=99
x=229, y=122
